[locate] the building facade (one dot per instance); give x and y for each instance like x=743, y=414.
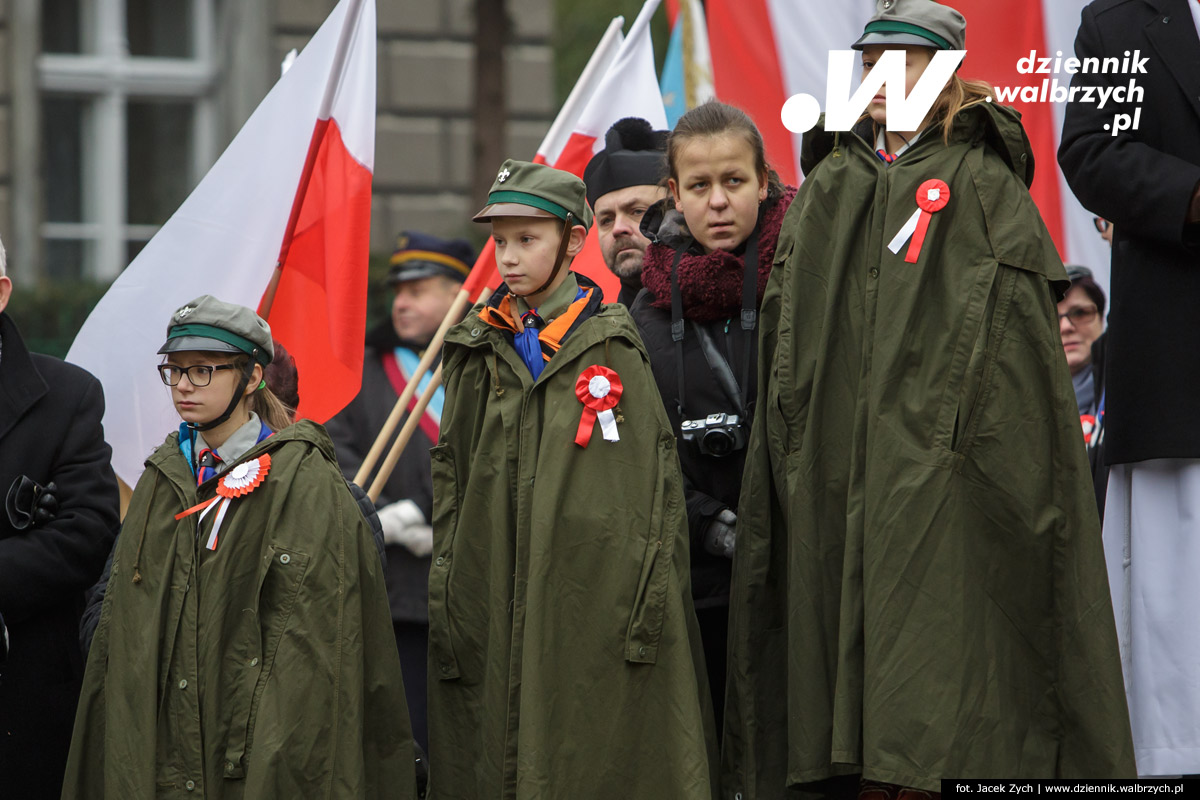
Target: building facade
x=112, y=110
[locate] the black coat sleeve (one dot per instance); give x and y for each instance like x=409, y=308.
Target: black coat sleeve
x=46, y=564
x=1123, y=178
x=95, y=602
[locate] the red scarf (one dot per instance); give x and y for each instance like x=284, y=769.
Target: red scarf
x=710, y=284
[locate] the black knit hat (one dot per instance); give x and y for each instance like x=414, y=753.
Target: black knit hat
x=634, y=154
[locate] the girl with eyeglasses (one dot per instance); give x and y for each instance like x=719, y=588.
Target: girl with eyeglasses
x=245, y=646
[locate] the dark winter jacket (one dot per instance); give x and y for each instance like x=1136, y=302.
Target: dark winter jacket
x=50, y=430
x=710, y=483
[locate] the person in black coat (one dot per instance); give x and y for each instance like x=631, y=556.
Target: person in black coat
x=50, y=438
x=426, y=275
x=1145, y=180
x=719, y=296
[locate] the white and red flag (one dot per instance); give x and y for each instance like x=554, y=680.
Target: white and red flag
x=627, y=88
x=764, y=51
x=293, y=189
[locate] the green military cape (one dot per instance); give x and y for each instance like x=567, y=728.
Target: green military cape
x=264, y=669
x=919, y=590
x=565, y=658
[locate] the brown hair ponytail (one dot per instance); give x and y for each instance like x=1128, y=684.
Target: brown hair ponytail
x=271, y=410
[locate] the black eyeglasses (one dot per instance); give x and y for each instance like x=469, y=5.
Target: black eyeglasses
x=198, y=374
x=1101, y=224
x=1080, y=315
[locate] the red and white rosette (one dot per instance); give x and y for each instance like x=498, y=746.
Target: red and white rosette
x=932, y=197
x=599, y=389
x=239, y=481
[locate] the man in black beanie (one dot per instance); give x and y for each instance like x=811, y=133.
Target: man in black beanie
x=623, y=180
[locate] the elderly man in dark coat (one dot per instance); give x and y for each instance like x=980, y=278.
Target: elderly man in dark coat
x=52, y=548
x=1137, y=164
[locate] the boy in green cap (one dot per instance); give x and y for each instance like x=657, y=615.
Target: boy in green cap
x=565, y=659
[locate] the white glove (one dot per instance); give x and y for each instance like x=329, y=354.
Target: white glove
x=404, y=525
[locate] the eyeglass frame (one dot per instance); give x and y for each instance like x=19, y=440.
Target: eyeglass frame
x=187, y=371
x=1080, y=312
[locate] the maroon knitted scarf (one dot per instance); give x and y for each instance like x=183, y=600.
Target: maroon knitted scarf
x=711, y=284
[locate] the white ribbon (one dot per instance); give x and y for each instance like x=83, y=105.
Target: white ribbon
x=905, y=233
x=608, y=425
x=212, y=537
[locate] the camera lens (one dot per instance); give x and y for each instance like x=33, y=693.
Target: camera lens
x=718, y=442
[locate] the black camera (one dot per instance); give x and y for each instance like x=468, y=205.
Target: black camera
x=716, y=435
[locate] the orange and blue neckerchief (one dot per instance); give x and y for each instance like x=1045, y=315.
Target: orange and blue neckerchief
x=533, y=346
x=208, y=458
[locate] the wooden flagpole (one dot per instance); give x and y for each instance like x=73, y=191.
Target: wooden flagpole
x=431, y=353
x=406, y=433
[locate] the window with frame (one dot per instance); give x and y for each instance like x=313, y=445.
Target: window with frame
x=128, y=125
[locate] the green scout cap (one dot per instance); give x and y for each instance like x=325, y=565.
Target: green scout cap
x=522, y=189
x=921, y=22
x=212, y=325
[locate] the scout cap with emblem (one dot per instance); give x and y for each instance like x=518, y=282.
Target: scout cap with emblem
x=212, y=325
x=920, y=22
x=523, y=189
x=419, y=255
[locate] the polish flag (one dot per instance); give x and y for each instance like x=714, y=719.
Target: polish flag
x=764, y=51
x=627, y=88
x=292, y=190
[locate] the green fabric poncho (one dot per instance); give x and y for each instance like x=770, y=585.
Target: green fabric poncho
x=264, y=668
x=919, y=590
x=564, y=654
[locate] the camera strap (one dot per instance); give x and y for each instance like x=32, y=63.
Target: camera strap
x=677, y=322
x=717, y=363
x=719, y=367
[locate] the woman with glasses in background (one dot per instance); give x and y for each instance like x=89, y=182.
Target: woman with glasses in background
x=1081, y=321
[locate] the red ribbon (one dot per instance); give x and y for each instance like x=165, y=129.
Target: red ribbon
x=932, y=197
x=600, y=396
